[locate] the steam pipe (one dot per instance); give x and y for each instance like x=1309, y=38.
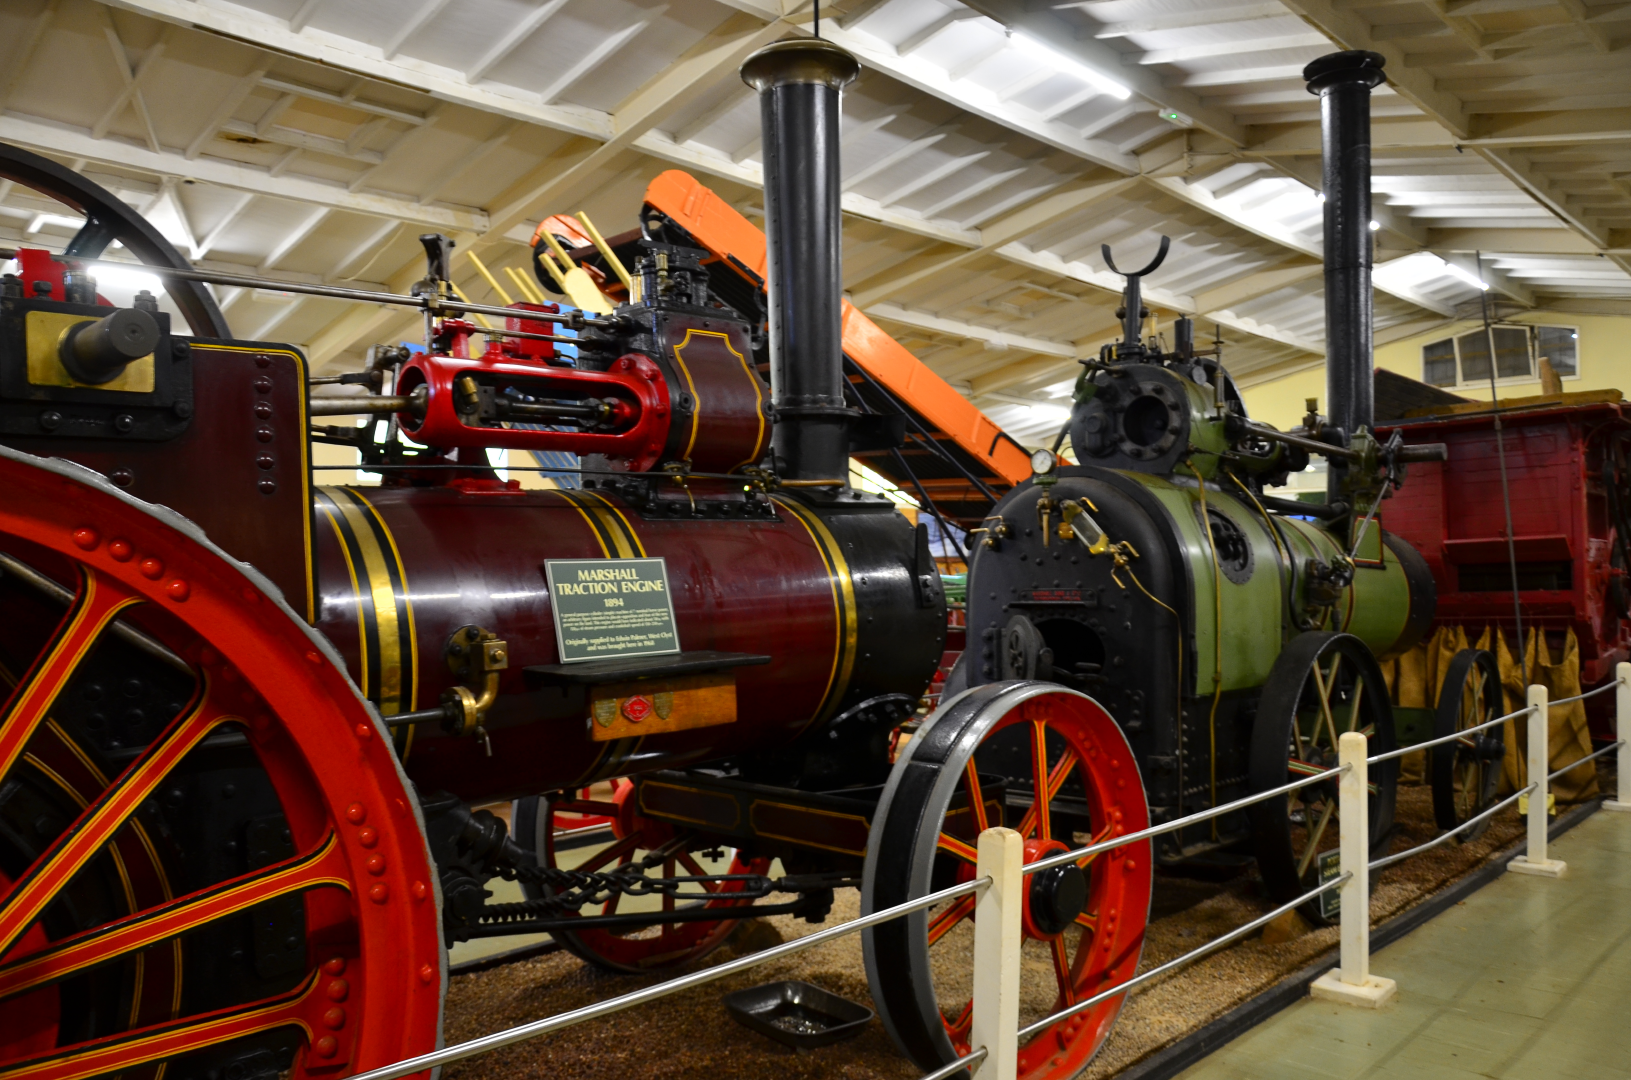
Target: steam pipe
x=1343, y=82
x=799, y=83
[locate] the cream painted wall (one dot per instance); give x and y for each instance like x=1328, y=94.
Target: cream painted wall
x=1604, y=351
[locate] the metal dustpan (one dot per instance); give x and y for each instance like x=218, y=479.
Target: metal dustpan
x=798, y=1014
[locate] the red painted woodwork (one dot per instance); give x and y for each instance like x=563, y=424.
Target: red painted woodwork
x=1562, y=527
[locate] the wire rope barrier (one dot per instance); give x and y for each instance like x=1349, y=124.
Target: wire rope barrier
x=1593, y=756
x=1187, y=958
x=538, y=1028
x=1446, y=837
x=999, y=885
x=1587, y=694
x=1081, y=853
x=1442, y=739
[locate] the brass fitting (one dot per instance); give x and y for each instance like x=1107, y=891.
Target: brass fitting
x=476, y=655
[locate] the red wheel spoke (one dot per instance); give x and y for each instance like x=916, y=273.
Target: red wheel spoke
x=1103, y=834
x=959, y=1028
x=1041, y=779
x=695, y=869
x=325, y=865
x=1061, y=970
x=976, y=797
x=612, y=851
x=97, y=603
x=1091, y=922
x=1297, y=767
x=941, y=924
x=586, y=806
x=130, y=1049
x=953, y=846
x=610, y=907
x=104, y=817
x=1056, y=780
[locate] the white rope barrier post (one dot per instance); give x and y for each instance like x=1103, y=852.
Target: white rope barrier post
x=1352, y=983
x=997, y=942
x=1622, y=732
x=1535, y=861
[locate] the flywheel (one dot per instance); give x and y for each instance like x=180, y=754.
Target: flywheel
x=211, y=864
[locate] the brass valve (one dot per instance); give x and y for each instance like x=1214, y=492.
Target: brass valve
x=476, y=655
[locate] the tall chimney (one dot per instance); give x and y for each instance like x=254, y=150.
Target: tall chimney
x=799, y=84
x=1343, y=82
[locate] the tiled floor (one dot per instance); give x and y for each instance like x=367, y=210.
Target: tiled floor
x=1527, y=979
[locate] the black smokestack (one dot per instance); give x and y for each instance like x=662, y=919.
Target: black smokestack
x=1343, y=82
x=799, y=84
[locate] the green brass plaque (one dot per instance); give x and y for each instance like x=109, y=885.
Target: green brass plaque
x=1330, y=864
x=607, y=609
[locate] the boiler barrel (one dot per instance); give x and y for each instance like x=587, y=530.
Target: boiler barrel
x=830, y=598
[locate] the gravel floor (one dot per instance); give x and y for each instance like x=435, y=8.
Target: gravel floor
x=690, y=1036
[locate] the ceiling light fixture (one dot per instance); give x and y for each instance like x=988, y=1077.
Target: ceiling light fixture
x=1465, y=275
x=1070, y=65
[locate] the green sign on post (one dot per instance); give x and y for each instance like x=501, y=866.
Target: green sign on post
x=607, y=609
x=1330, y=865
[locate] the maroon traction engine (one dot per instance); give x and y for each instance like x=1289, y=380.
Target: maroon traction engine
x=247, y=717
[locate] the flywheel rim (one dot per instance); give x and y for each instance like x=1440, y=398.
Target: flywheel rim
x=914, y=808
x=370, y=985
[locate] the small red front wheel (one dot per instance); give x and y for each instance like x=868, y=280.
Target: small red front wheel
x=631, y=843
x=1051, y=764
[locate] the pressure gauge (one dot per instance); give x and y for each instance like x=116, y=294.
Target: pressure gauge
x=1043, y=462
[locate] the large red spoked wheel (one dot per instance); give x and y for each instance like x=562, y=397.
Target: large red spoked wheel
x=637, y=845
x=210, y=863
x=1051, y=764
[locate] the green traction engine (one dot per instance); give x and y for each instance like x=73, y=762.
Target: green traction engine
x=1233, y=635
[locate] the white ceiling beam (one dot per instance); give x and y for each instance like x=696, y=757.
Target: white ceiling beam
x=937, y=82
x=1101, y=56
x=228, y=105
x=372, y=244
x=301, y=140
x=932, y=177
x=1210, y=15
x=460, y=164
x=512, y=40
x=860, y=13
x=913, y=42
x=709, y=117
x=1581, y=17
x=995, y=235
x=596, y=57
x=1001, y=339
x=132, y=90
x=1263, y=330
x=17, y=64
x=957, y=198
x=332, y=50
x=304, y=14
x=213, y=237
x=144, y=71
x=428, y=10
x=349, y=99
x=293, y=238
x=1555, y=241
x=717, y=56
x=53, y=138
x=1346, y=25
x=1492, y=275
x=1205, y=50
x=1257, y=284
x=891, y=159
